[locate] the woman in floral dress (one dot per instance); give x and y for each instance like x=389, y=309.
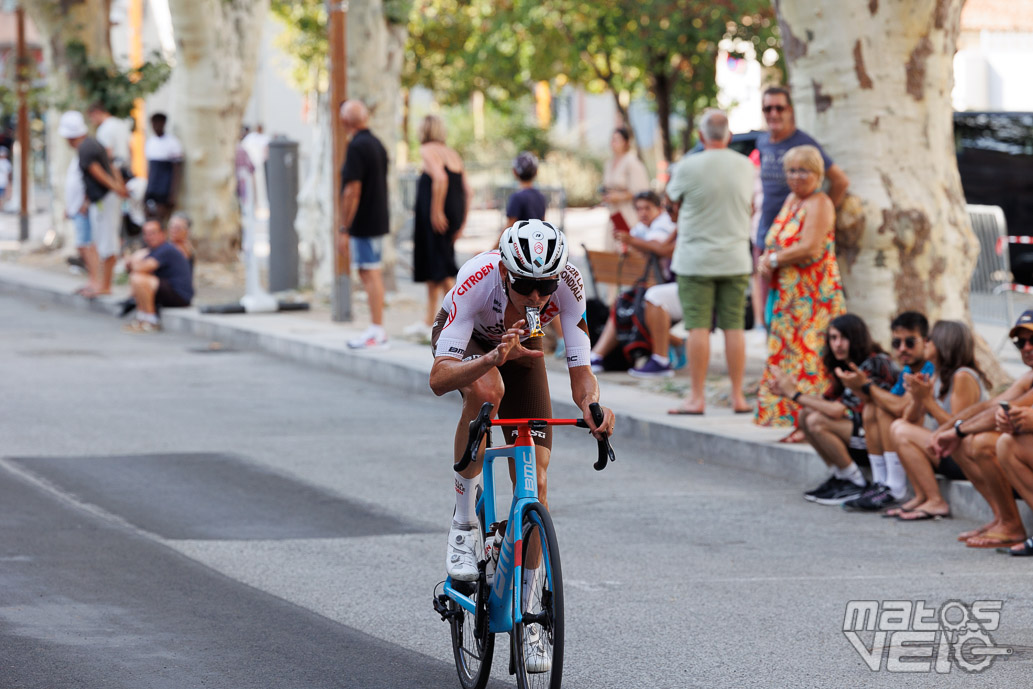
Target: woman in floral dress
x=806, y=289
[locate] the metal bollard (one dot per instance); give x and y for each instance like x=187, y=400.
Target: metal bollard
x=283, y=209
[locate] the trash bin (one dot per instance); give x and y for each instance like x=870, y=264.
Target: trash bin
x=282, y=170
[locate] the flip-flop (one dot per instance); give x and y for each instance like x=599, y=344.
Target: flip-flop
x=922, y=516
x=991, y=540
x=965, y=535
x=684, y=412
x=893, y=512
x=1025, y=551
x=796, y=436
x=747, y=410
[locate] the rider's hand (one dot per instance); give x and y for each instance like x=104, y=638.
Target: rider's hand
x=605, y=428
x=510, y=348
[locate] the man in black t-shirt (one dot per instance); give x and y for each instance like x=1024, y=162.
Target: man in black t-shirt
x=159, y=275
x=104, y=192
x=364, y=213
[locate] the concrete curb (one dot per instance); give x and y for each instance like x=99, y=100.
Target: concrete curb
x=718, y=438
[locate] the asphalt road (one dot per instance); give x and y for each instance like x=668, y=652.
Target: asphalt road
x=176, y=515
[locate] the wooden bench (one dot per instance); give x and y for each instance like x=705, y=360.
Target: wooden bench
x=622, y=270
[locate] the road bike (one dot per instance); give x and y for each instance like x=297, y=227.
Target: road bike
x=497, y=601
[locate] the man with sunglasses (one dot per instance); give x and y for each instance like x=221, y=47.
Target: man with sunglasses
x=483, y=348
x=889, y=482
x=781, y=136
x=995, y=451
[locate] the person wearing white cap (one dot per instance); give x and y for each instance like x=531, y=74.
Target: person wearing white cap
x=103, y=190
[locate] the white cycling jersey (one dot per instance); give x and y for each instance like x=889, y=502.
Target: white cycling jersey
x=476, y=307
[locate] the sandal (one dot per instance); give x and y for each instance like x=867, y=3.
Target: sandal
x=795, y=436
x=993, y=540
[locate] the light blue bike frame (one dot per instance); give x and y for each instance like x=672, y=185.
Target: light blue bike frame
x=502, y=601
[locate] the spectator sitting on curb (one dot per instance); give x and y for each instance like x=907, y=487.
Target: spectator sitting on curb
x=834, y=424
x=889, y=482
x=158, y=276
x=956, y=385
x=179, y=236
x=653, y=235
x=971, y=438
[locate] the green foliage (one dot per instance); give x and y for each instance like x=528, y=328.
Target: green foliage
x=116, y=90
x=306, y=39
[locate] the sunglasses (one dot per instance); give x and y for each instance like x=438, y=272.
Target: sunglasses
x=777, y=108
x=908, y=342
x=1021, y=342
x=798, y=172
x=525, y=286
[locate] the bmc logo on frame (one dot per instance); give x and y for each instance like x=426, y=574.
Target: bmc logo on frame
x=911, y=636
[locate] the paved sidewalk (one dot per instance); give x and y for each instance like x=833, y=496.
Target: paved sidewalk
x=719, y=437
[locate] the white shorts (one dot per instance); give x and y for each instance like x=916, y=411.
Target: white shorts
x=666, y=297
x=106, y=224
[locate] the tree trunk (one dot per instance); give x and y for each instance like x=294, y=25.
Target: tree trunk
x=61, y=22
x=662, y=93
x=376, y=54
x=217, y=44
x=872, y=81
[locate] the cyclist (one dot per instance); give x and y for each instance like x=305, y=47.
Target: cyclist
x=482, y=349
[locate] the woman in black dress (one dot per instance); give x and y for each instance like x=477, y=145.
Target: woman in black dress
x=442, y=205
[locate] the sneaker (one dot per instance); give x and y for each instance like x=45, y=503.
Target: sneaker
x=368, y=340
x=536, y=658
x=846, y=490
x=461, y=559
x=677, y=356
x=597, y=364
x=652, y=369
x=875, y=499
x=417, y=329
x=140, y=327
x=829, y=483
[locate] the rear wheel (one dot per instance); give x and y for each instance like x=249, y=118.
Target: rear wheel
x=538, y=639
x=473, y=649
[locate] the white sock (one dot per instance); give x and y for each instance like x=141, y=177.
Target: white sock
x=528, y=579
x=661, y=359
x=376, y=331
x=878, y=468
x=466, y=502
x=151, y=318
x=852, y=473
x=896, y=479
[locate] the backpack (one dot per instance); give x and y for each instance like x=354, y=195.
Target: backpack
x=629, y=312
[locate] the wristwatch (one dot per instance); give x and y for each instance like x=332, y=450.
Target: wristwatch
x=773, y=260
x=867, y=388
x=957, y=429
x=796, y=396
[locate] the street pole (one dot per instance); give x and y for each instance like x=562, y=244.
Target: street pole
x=23, y=125
x=341, y=299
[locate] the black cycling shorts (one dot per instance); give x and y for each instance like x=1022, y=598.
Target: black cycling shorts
x=525, y=382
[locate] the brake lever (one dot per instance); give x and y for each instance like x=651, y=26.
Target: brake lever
x=605, y=450
x=477, y=428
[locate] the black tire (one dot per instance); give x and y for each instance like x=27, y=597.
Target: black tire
x=545, y=602
x=473, y=651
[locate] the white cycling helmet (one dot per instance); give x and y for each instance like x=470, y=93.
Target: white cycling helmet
x=533, y=249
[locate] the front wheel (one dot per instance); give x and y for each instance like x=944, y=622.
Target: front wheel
x=538, y=639
x=473, y=648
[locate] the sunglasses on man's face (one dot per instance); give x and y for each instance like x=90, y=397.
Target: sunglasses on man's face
x=908, y=342
x=777, y=108
x=525, y=286
x=1021, y=342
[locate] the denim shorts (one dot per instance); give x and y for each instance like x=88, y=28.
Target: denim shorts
x=83, y=236
x=366, y=251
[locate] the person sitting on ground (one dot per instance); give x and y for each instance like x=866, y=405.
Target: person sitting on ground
x=653, y=235
x=158, y=276
x=1015, y=452
x=179, y=236
x=834, y=423
x=971, y=438
x=889, y=482
x=957, y=384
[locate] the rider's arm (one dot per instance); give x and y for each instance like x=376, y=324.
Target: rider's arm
x=584, y=389
x=448, y=374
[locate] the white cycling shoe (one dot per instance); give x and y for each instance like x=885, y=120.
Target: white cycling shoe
x=536, y=659
x=461, y=559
